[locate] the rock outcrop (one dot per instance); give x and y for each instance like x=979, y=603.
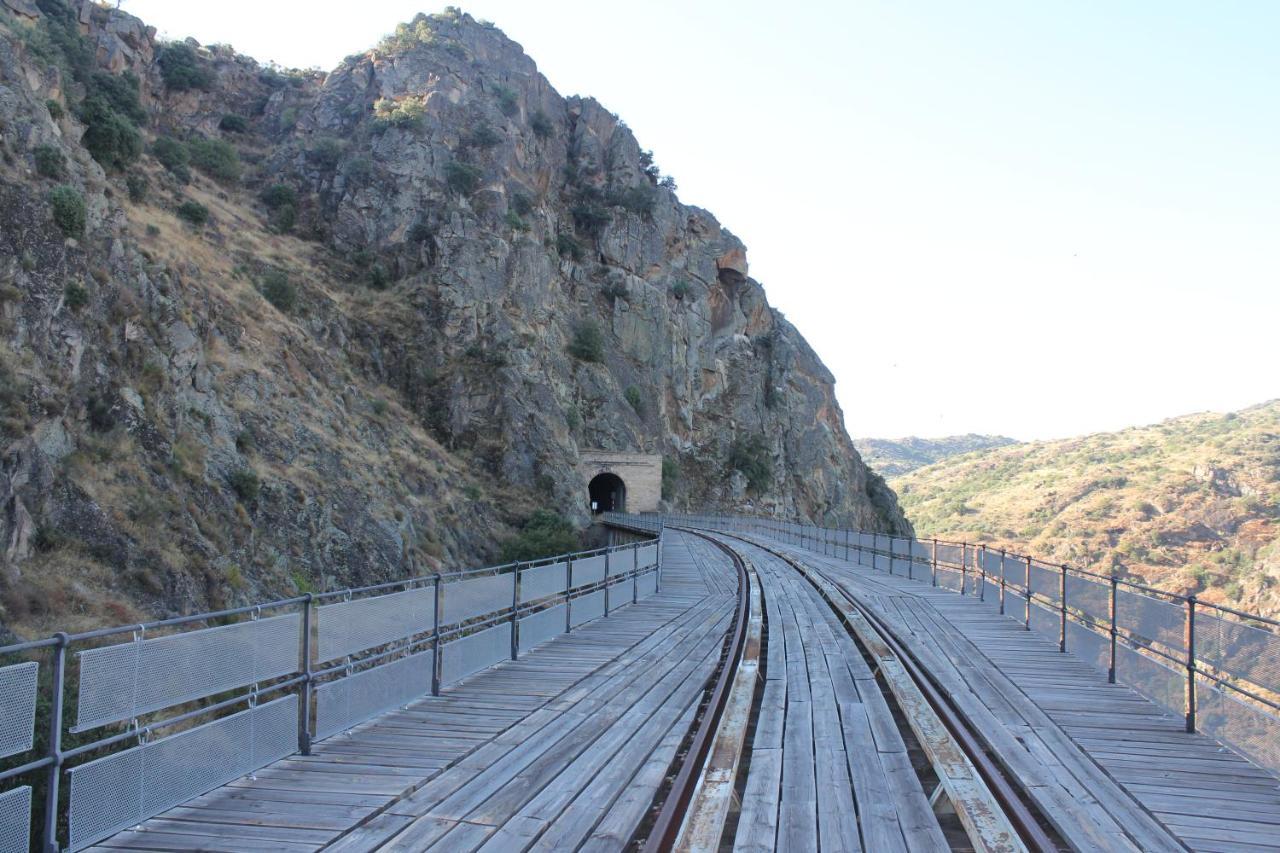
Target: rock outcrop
x=426, y=280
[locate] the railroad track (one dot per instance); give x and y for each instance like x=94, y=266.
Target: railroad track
x=975, y=802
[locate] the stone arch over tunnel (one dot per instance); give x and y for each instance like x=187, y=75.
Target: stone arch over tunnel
x=630, y=482
x=608, y=493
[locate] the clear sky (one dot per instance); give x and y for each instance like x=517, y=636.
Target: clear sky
x=1031, y=218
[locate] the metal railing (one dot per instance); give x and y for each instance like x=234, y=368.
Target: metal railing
x=1215, y=666
x=181, y=706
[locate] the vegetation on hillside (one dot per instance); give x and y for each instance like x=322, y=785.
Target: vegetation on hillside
x=1191, y=504
x=891, y=457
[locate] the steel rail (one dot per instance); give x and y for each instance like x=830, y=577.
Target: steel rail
x=664, y=831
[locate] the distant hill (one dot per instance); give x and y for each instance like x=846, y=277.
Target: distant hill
x=890, y=457
x=1191, y=504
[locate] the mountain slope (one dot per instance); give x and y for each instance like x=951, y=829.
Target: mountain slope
x=891, y=457
x=1191, y=504
x=263, y=331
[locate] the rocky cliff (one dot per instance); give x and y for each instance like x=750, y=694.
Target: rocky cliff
x=264, y=331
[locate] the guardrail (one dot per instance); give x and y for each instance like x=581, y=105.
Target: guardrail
x=237, y=689
x=1215, y=666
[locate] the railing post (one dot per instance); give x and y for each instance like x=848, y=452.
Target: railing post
x=846, y=545
x=1062, y=609
x=911, y=558
x=568, y=594
x=1002, y=555
x=635, y=573
x=1111, y=614
x=982, y=572
x=304, y=708
x=1190, y=639
x=964, y=566
x=515, y=613
x=1026, y=607
x=435, y=642
x=58, y=682
x=933, y=562
x=607, y=559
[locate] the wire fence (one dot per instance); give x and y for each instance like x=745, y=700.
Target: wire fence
x=1215, y=666
x=103, y=729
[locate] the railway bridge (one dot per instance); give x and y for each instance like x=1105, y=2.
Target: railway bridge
x=702, y=683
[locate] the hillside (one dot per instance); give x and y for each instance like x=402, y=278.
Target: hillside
x=1191, y=504
x=264, y=331
x=892, y=457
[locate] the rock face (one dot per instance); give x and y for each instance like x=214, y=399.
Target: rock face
x=468, y=278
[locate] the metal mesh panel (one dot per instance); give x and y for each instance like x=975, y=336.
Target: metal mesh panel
x=120, y=790
x=475, y=652
x=15, y=820
x=1152, y=679
x=882, y=562
x=347, y=701
x=1089, y=597
x=1045, y=621
x=646, y=584
x=866, y=540
x=1045, y=580
x=902, y=547
x=1250, y=730
x=1089, y=646
x=620, y=594
x=542, y=581
x=587, y=607
x=621, y=562
x=922, y=551
x=1152, y=619
x=540, y=627
x=590, y=570
x=130, y=679
x=990, y=560
x=647, y=556
x=17, y=706
x=949, y=554
x=1242, y=650
x=476, y=597
x=1015, y=572
x=949, y=579
x=991, y=595
x=352, y=626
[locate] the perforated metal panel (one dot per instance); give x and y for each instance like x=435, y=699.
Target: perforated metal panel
x=127, y=680
x=990, y=561
x=475, y=652
x=1089, y=597
x=922, y=551
x=1242, y=650
x=647, y=556
x=1015, y=572
x=474, y=597
x=1045, y=622
x=17, y=706
x=949, y=579
x=1090, y=647
x=588, y=607
x=124, y=789
x=542, y=581
x=1045, y=580
x=621, y=562
x=991, y=595
x=1248, y=729
x=882, y=562
x=1152, y=679
x=538, y=628
x=621, y=594
x=588, y=571
x=949, y=554
x=1152, y=619
x=902, y=547
x=353, y=626
x=15, y=820
x=343, y=703
x=646, y=584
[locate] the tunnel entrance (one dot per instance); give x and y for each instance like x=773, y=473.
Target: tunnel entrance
x=608, y=493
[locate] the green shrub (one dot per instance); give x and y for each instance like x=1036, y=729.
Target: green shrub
x=521, y=203
x=279, y=291
x=406, y=113
x=233, y=123
x=283, y=218
x=181, y=69
x=680, y=289
x=173, y=155
x=587, y=343
x=379, y=278
x=326, y=153
x=569, y=247
x=74, y=296
x=55, y=109
x=379, y=406
x=543, y=534
x=138, y=186
x=278, y=195
x=463, y=178
x=590, y=218
x=540, y=125
x=217, y=158
x=109, y=136
x=194, y=212
x=635, y=398
x=121, y=94
x=639, y=200
x=483, y=136
x=670, y=476
x=289, y=118
x=507, y=100
x=245, y=484
x=359, y=170
x=515, y=223
x=49, y=161
x=68, y=210
x=751, y=457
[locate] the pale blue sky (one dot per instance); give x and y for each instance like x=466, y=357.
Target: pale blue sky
x=1032, y=218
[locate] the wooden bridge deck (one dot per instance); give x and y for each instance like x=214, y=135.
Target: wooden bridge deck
x=1115, y=770
x=564, y=748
